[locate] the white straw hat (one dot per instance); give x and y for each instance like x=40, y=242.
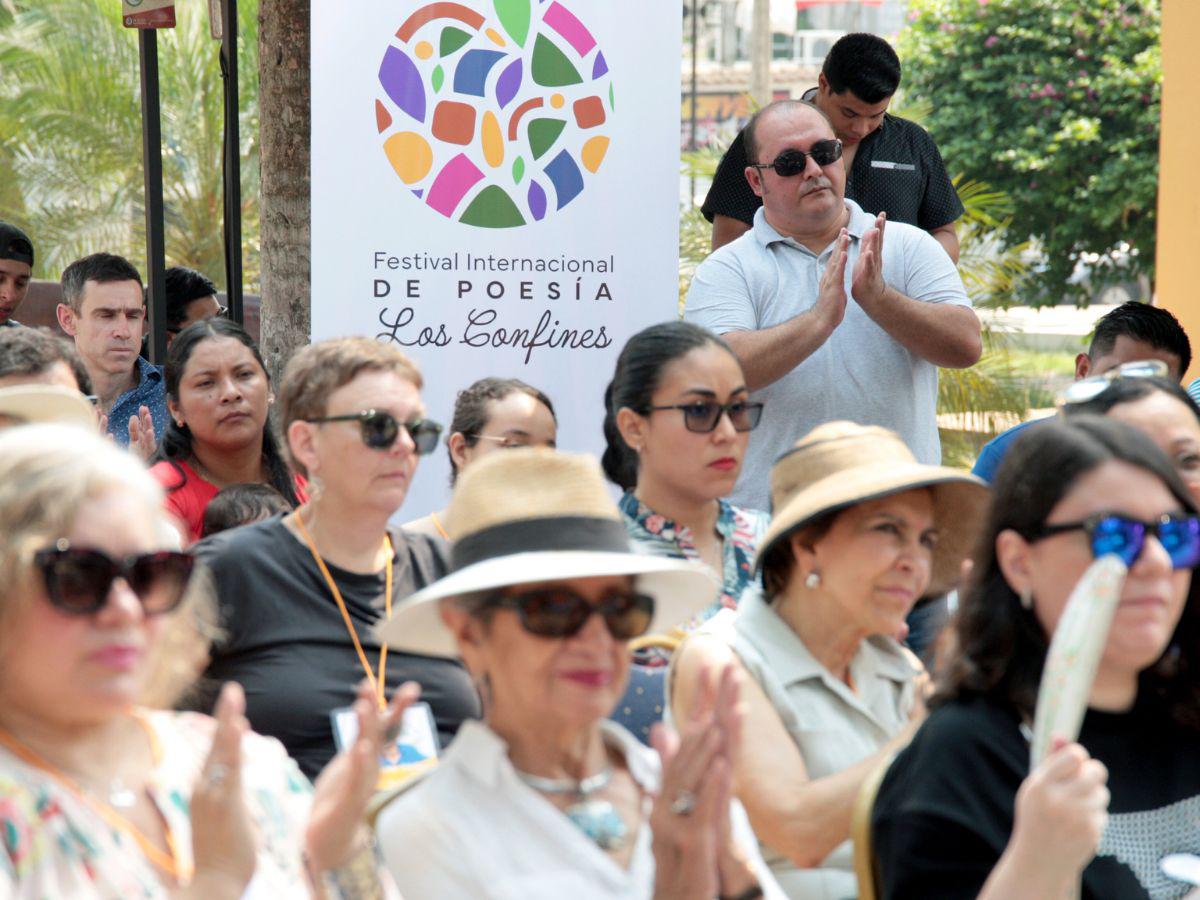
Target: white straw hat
x=841, y=464
x=533, y=515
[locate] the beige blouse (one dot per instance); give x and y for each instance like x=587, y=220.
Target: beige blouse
x=833, y=726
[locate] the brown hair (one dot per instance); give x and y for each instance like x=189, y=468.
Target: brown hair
x=780, y=562
x=319, y=369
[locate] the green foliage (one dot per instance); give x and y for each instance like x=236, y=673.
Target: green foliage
x=1056, y=104
x=70, y=134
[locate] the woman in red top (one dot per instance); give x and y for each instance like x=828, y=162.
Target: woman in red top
x=218, y=394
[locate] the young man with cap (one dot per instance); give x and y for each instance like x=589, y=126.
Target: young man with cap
x=105, y=312
x=16, y=268
x=892, y=164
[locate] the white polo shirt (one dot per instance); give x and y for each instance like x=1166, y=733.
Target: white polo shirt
x=861, y=373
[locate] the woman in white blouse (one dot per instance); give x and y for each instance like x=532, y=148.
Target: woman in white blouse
x=545, y=798
x=861, y=531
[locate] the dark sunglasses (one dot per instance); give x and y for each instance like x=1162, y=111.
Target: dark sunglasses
x=1125, y=537
x=792, y=162
x=380, y=430
x=79, y=579
x=703, y=415
x=561, y=613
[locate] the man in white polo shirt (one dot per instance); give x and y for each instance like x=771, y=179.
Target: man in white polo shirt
x=829, y=319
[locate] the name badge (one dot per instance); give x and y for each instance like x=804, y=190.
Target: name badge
x=414, y=751
x=894, y=166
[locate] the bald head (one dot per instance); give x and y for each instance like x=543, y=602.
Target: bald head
x=800, y=109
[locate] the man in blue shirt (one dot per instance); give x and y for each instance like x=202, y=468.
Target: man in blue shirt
x=104, y=310
x=1132, y=332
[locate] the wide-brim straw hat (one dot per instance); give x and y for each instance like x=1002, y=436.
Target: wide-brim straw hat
x=527, y=516
x=841, y=464
x=46, y=403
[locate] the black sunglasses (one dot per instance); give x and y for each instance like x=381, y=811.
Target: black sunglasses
x=561, y=613
x=1126, y=537
x=380, y=430
x=703, y=415
x=79, y=579
x=792, y=162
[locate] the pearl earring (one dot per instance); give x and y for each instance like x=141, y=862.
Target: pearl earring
x=812, y=581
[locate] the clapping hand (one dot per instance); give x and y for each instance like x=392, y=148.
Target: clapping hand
x=345, y=785
x=867, y=284
x=831, y=292
x=141, y=434
x=223, y=843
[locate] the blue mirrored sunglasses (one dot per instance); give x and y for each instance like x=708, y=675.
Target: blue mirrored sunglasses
x=1125, y=537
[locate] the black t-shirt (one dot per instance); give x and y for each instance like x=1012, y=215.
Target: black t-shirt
x=287, y=645
x=945, y=809
x=897, y=170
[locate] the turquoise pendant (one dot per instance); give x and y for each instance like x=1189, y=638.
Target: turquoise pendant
x=598, y=819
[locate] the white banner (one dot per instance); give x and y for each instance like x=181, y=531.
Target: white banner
x=495, y=187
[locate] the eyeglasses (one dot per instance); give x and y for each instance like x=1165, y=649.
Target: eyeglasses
x=561, y=613
x=702, y=416
x=1125, y=537
x=380, y=429
x=1089, y=388
x=79, y=579
x=792, y=162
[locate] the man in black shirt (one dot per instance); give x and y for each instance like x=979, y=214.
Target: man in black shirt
x=892, y=164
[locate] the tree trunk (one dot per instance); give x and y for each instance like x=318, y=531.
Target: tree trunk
x=760, y=53
x=285, y=102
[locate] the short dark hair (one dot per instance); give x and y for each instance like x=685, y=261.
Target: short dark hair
x=1000, y=647
x=99, y=267
x=241, y=504
x=27, y=352
x=864, y=64
x=638, y=374
x=1130, y=390
x=184, y=285
x=1140, y=321
x=750, y=132
x=471, y=409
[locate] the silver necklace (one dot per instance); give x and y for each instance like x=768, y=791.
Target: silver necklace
x=598, y=819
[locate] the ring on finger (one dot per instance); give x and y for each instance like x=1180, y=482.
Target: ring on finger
x=684, y=803
x=217, y=773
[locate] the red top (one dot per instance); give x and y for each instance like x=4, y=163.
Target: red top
x=188, y=498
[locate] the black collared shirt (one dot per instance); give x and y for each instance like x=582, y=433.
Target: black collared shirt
x=897, y=169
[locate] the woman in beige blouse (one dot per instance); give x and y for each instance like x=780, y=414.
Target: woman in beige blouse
x=861, y=531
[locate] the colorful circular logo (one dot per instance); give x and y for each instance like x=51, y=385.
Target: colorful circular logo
x=494, y=113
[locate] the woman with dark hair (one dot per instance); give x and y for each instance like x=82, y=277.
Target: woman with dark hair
x=677, y=419
x=1163, y=410
x=492, y=414
x=960, y=813
x=219, y=396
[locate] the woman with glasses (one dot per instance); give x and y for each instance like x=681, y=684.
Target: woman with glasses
x=101, y=793
x=861, y=532
x=300, y=593
x=219, y=397
x=678, y=416
x=492, y=414
x=960, y=813
x=1159, y=407
x=544, y=798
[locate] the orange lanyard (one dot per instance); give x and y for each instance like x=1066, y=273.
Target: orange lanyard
x=437, y=523
x=378, y=684
x=168, y=863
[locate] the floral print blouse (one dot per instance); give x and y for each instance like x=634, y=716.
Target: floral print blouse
x=53, y=844
x=740, y=530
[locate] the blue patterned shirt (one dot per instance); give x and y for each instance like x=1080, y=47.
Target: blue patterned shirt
x=740, y=530
x=151, y=392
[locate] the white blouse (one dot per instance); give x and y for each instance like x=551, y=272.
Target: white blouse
x=473, y=829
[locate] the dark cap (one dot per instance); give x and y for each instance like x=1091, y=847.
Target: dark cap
x=15, y=244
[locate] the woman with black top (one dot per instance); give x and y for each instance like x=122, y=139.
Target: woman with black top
x=959, y=813
x=300, y=593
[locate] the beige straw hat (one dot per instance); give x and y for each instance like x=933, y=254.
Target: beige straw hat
x=46, y=403
x=532, y=515
x=840, y=464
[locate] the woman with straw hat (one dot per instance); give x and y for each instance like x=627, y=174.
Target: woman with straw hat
x=861, y=531
x=544, y=797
